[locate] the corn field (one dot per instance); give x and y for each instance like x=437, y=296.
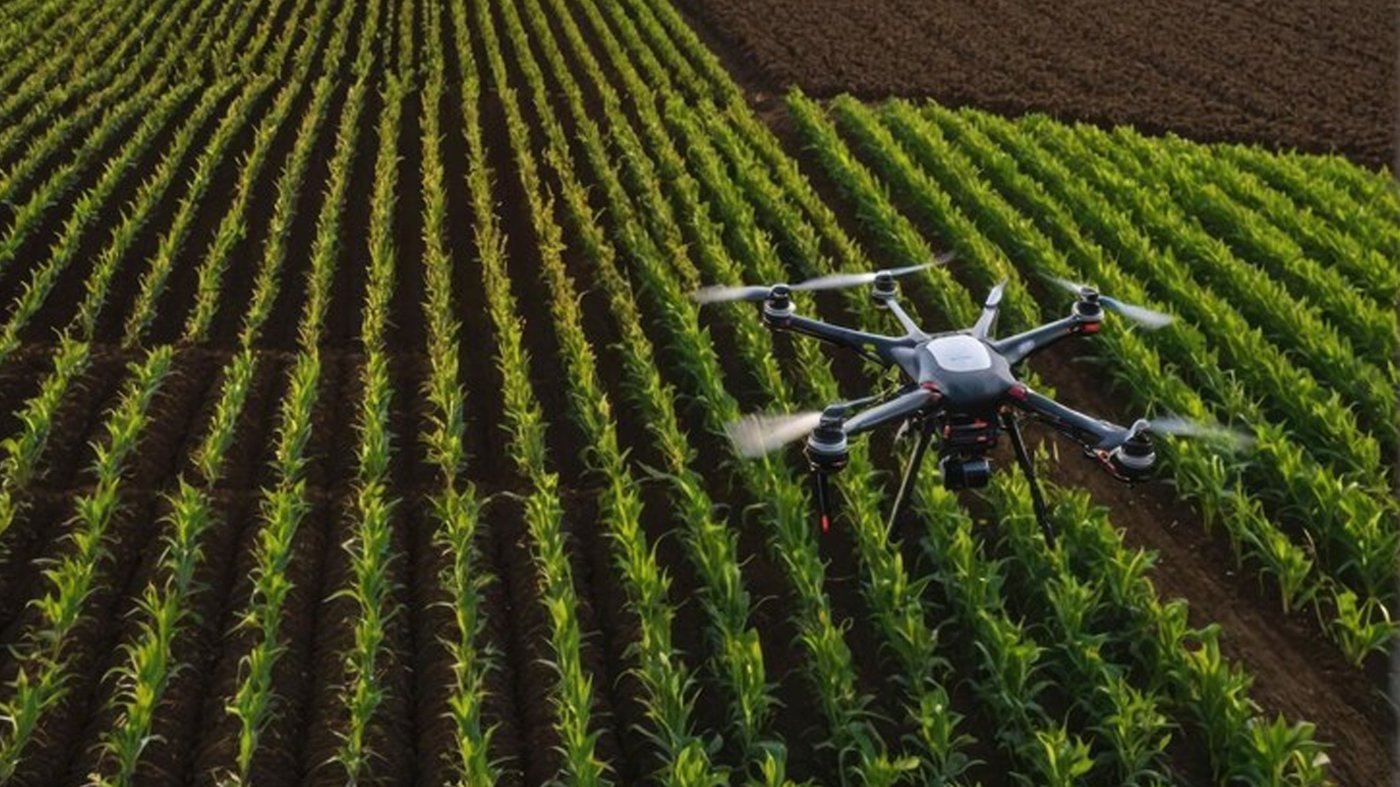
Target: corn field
x=359, y=426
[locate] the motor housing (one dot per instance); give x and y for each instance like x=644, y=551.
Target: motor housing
x=1134, y=459
x=827, y=450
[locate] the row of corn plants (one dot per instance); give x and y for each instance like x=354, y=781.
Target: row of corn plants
x=285, y=504
x=1289, y=563
x=711, y=545
x=893, y=595
x=1322, y=419
x=1115, y=174
x=44, y=275
x=370, y=545
x=126, y=31
x=1309, y=485
x=1363, y=264
x=668, y=687
x=1251, y=530
x=23, y=450
x=232, y=226
x=572, y=695
x=455, y=504
x=149, y=662
x=48, y=647
x=829, y=659
x=1359, y=315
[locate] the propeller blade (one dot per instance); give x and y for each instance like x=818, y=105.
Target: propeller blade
x=720, y=293
x=1074, y=287
x=836, y=281
x=756, y=435
x=1141, y=315
x=1185, y=427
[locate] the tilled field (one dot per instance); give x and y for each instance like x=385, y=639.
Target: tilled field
x=358, y=426
x=1315, y=75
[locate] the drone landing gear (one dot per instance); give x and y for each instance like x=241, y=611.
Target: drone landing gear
x=911, y=471
x=819, y=480
x=1013, y=428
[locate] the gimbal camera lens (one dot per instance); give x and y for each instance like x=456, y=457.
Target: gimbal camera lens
x=961, y=473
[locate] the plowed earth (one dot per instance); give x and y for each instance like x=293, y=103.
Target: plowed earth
x=1308, y=74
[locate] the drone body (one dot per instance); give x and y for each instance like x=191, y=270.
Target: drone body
x=961, y=390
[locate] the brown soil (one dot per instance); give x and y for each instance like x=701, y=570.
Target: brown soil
x=1309, y=74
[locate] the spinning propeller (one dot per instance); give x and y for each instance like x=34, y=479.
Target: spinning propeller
x=1177, y=426
x=721, y=293
x=1138, y=314
x=758, y=434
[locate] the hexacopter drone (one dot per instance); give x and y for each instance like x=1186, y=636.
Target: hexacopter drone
x=961, y=389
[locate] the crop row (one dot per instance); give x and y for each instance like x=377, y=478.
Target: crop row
x=455, y=504
x=1357, y=545
x=798, y=235
x=285, y=504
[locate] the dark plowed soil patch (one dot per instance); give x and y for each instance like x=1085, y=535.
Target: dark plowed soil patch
x=1309, y=74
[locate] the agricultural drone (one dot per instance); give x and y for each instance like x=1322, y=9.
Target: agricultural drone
x=961, y=390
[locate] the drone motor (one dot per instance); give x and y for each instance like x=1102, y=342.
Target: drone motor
x=1133, y=460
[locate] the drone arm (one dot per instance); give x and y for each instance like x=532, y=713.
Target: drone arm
x=988, y=319
x=870, y=345
x=896, y=409
x=1090, y=432
x=910, y=327
x=1016, y=348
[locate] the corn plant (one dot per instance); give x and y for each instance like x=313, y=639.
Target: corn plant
x=370, y=547
x=285, y=505
x=1357, y=314
x=572, y=695
x=711, y=545
x=455, y=506
x=48, y=648
x=791, y=538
